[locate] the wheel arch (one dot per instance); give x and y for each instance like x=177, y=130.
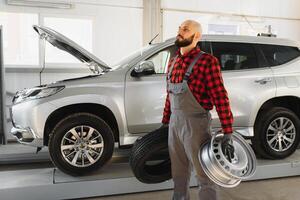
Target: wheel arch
x=290, y=102
x=97, y=109
x=269, y=109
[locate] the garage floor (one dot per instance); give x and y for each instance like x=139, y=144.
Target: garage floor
x=48, y=183
x=272, y=189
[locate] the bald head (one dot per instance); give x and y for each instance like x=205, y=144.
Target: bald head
x=193, y=25
x=189, y=33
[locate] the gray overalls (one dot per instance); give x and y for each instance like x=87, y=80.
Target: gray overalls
x=188, y=128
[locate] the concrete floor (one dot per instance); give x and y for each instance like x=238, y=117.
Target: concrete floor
x=272, y=189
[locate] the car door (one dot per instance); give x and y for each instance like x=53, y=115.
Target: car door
x=247, y=78
x=145, y=96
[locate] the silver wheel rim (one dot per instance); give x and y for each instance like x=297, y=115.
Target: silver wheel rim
x=281, y=134
x=82, y=146
x=219, y=169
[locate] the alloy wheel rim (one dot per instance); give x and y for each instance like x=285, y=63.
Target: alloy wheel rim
x=82, y=146
x=281, y=134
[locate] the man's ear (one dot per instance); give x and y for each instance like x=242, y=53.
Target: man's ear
x=197, y=36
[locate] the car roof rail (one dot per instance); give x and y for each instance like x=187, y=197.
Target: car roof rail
x=266, y=35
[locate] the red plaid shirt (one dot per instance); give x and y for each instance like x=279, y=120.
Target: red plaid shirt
x=206, y=84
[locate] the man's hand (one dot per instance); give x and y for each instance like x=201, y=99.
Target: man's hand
x=227, y=147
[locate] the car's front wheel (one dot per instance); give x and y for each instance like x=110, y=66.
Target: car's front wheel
x=276, y=133
x=81, y=143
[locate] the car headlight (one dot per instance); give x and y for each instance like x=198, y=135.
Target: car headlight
x=36, y=93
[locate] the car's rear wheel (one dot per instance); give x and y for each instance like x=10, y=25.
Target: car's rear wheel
x=80, y=144
x=276, y=133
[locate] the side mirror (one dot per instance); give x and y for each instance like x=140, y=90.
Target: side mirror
x=144, y=68
x=94, y=68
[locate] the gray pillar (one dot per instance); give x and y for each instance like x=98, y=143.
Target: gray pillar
x=152, y=20
x=2, y=94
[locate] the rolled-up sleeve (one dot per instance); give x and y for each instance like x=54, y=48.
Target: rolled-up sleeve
x=167, y=111
x=218, y=94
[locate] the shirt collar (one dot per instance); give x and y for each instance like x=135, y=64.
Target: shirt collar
x=190, y=53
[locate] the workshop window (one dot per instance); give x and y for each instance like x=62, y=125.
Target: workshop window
x=78, y=30
x=20, y=41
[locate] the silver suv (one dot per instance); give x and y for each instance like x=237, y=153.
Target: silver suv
x=81, y=119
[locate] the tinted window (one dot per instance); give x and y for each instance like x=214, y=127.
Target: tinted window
x=235, y=56
x=161, y=59
x=278, y=55
x=204, y=46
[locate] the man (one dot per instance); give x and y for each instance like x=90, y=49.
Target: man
x=194, y=84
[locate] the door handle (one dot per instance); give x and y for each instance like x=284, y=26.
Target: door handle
x=263, y=80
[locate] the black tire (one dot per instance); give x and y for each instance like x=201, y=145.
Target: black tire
x=101, y=134
x=260, y=140
x=151, y=147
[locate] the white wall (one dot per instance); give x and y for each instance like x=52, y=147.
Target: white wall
x=251, y=17
x=270, y=8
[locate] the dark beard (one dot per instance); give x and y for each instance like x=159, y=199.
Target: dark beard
x=185, y=42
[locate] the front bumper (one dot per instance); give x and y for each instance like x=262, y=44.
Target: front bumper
x=26, y=136
x=28, y=120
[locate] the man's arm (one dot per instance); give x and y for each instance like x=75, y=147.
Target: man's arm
x=218, y=94
x=167, y=108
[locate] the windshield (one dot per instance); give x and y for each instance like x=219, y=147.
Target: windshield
x=125, y=60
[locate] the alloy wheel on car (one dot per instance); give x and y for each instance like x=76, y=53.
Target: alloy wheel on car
x=281, y=134
x=82, y=146
x=81, y=143
x=276, y=133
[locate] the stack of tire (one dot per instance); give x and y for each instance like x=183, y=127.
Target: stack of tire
x=149, y=158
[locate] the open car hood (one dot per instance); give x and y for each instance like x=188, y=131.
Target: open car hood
x=62, y=42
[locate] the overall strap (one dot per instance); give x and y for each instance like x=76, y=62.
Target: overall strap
x=172, y=66
x=190, y=69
